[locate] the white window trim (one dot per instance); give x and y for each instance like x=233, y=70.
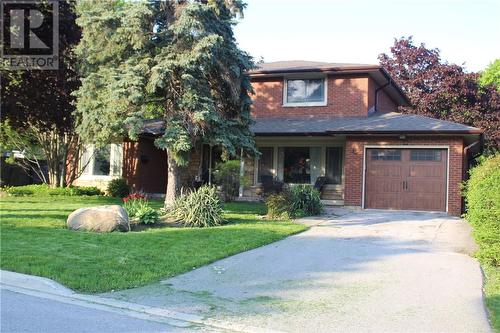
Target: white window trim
x=308, y=77
x=407, y=147
x=90, y=165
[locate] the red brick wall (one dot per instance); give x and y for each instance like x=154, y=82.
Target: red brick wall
x=385, y=103
x=354, y=166
x=347, y=96
x=144, y=166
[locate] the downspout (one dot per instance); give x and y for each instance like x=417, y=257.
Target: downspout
x=376, y=93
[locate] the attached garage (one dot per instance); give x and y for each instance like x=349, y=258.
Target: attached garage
x=410, y=178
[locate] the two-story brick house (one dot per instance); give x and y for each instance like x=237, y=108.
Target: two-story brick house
x=330, y=120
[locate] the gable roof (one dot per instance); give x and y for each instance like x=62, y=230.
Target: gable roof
x=296, y=67
x=378, y=123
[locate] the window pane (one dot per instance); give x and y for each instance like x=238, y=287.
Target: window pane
x=265, y=164
x=425, y=155
x=386, y=155
x=296, y=168
x=334, y=165
x=304, y=91
x=315, y=163
x=85, y=160
x=117, y=157
x=315, y=90
x=102, y=161
x=296, y=91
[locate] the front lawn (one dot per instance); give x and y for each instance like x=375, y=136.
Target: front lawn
x=492, y=293
x=34, y=240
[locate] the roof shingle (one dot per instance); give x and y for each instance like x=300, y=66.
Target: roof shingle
x=380, y=123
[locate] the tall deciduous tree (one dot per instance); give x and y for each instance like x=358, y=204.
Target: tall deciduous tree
x=38, y=103
x=175, y=60
x=442, y=90
x=491, y=75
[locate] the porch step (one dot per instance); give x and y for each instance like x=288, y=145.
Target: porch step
x=331, y=192
x=334, y=196
x=332, y=202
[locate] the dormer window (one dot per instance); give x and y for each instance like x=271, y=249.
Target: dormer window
x=305, y=92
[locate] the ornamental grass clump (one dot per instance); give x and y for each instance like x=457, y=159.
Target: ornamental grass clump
x=298, y=201
x=306, y=200
x=201, y=208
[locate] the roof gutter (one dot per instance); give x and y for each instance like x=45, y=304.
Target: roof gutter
x=374, y=133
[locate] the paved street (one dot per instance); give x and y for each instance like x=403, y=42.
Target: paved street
x=23, y=313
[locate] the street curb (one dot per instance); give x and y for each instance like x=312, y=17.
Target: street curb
x=49, y=289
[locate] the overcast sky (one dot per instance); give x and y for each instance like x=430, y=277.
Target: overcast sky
x=466, y=31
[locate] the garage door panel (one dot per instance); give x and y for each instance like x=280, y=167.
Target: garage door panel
x=426, y=186
x=385, y=201
x=387, y=186
x=386, y=170
x=426, y=171
x=422, y=201
x=407, y=178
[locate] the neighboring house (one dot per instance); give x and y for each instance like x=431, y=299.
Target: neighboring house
x=330, y=120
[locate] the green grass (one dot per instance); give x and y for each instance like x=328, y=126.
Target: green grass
x=492, y=293
x=34, y=240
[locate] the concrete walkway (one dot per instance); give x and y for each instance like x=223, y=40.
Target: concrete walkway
x=366, y=271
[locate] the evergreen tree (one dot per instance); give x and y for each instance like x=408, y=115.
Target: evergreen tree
x=175, y=60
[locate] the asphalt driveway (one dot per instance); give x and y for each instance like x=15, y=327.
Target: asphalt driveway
x=375, y=271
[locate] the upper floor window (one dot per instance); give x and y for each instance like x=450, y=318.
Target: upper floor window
x=305, y=92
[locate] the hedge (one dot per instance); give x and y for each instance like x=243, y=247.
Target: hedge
x=482, y=195
x=43, y=190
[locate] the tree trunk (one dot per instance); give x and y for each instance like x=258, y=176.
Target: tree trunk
x=173, y=181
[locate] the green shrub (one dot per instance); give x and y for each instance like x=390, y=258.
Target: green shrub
x=137, y=206
x=278, y=206
x=298, y=201
x=306, y=200
x=147, y=214
x=64, y=191
x=201, y=208
x=19, y=191
x=227, y=175
x=44, y=190
x=482, y=196
x=88, y=190
x=118, y=188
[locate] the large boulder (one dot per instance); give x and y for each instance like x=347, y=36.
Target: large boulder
x=99, y=219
